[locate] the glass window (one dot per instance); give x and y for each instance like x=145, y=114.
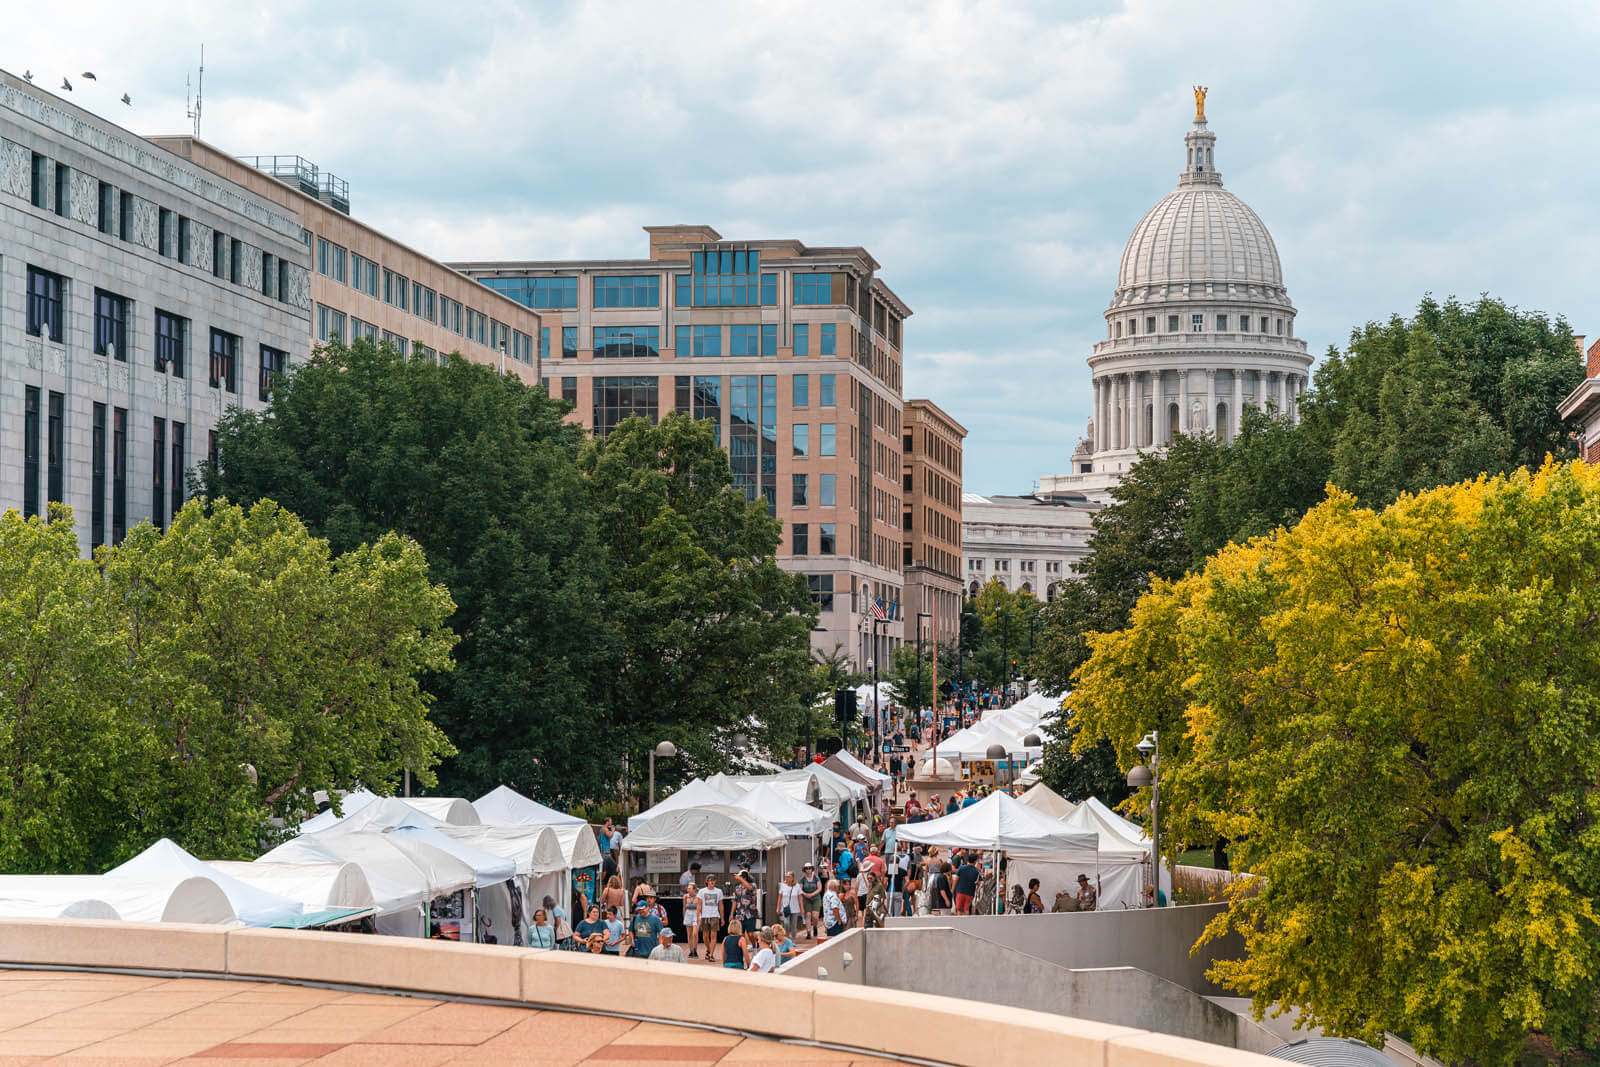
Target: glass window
x=171, y=332
x=235, y=260
x=825, y=490
x=1197, y=322
x=802, y=339
x=744, y=340
x=544, y=342
x=158, y=477
x=1244, y=323
x=821, y=586
x=1263, y=324
x=825, y=392
x=224, y=361
x=164, y=232
x=185, y=250
x=727, y=278
x=801, y=432
x=1280, y=327
x=30, y=449
x=274, y=365
x=569, y=342
x=569, y=389
x=44, y=304
x=769, y=339
x=684, y=296
x=829, y=333
x=802, y=490
x=63, y=190
x=1222, y=324
x=683, y=341
x=38, y=188
x=707, y=340
x=813, y=288
x=825, y=539
x=825, y=439
x=627, y=291
x=554, y=293
x=616, y=399
x=55, y=446
x=330, y=324
x=1172, y=324
x=1149, y=324
x=372, y=287
x=626, y=342
x=802, y=390
x=800, y=540
x=110, y=325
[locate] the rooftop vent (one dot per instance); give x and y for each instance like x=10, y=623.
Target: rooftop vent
x=305, y=176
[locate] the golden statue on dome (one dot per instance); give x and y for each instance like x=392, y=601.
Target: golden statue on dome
x=1200, y=103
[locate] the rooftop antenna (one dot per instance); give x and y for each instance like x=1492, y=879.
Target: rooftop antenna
x=192, y=110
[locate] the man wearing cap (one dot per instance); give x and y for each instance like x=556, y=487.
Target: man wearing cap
x=666, y=951
x=1086, y=894
x=646, y=929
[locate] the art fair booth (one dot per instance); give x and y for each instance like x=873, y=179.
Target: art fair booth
x=722, y=839
x=407, y=878
x=504, y=806
x=541, y=873
x=452, y=811
x=321, y=888
x=254, y=906
x=189, y=899
x=694, y=793
x=808, y=829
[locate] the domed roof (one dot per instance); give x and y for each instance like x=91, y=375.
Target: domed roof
x=1200, y=232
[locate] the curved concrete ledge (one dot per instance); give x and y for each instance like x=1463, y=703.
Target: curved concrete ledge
x=879, y=1021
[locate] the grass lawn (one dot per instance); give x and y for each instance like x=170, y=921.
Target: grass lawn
x=1195, y=857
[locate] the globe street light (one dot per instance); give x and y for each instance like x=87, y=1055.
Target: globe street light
x=1150, y=775
x=666, y=750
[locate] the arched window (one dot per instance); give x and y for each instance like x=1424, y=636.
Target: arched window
x=973, y=588
x=1027, y=587
x=1172, y=421
x=1149, y=426
x=1222, y=424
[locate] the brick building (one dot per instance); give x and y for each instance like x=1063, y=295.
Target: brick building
x=931, y=519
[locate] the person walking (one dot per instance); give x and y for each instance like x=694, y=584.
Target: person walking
x=789, y=903
x=645, y=931
x=811, y=899
x=691, y=916
x=612, y=896
x=876, y=908
x=833, y=916
x=710, y=916
x=666, y=951
x=966, y=885
x=744, y=899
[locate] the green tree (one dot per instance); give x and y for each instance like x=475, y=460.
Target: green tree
x=1003, y=626
x=713, y=638
x=203, y=680
x=911, y=675
x=482, y=471
x=1392, y=716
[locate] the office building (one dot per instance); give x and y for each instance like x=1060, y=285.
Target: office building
x=143, y=298
x=367, y=284
x=931, y=472
x=792, y=352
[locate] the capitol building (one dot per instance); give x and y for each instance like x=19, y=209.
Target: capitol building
x=1199, y=328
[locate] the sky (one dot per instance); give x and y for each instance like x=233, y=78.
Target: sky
x=992, y=157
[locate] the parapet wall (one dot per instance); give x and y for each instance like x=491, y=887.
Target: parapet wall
x=886, y=1022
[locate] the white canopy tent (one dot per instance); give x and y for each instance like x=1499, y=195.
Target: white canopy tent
x=735, y=786
x=1030, y=774
x=1047, y=800
x=999, y=823
x=456, y=811
x=349, y=804
x=973, y=743
x=182, y=899
x=1119, y=867
x=315, y=885
x=254, y=906
x=540, y=871
x=405, y=876
x=695, y=793
x=504, y=806
x=735, y=832
x=805, y=827
x=862, y=769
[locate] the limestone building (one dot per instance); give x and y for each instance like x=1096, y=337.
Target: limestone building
x=142, y=298
x=1026, y=543
x=1200, y=326
x=793, y=352
x=931, y=469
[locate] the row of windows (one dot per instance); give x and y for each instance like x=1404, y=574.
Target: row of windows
x=827, y=439
x=743, y=339
x=801, y=490
x=826, y=393
x=800, y=539
x=1197, y=324
x=718, y=279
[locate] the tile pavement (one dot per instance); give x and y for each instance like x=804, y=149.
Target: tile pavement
x=80, y=1019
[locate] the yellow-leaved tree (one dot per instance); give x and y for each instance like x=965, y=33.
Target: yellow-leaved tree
x=1395, y=718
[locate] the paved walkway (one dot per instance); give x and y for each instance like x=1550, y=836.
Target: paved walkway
x=82, y=1018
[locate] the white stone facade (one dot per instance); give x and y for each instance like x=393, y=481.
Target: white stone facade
x=1199, y=327
x=1026, y=543
x=78, y=395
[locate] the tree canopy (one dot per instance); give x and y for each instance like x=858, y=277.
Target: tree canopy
x=1393, y=716
x=195, y=683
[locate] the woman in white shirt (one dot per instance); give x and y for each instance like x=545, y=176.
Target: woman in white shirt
x=764, y=960
x=833, y=917
x=789, y=903
x=691, y=916
x=710, y=916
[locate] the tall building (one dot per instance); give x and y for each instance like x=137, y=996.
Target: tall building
x=1199, y=327
x=1582, y=405
x=367, y=284
x=931, y=472
x=794, y=353
x=143, y=297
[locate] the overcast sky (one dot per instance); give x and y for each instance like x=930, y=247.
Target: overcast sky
x=992, y=157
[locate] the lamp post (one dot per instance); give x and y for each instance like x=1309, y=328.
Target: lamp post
x=1005, y=657
x=1150, y=775
x=1032, y=741
x=666, y=750
x=918, y=712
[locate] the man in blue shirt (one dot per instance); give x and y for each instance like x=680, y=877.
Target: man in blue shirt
x=646, y=929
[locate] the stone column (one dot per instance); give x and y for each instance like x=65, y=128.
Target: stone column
x=1236, y=409
x=1137, y=391
x=1211, y=400
x=1094, y=439
x=1183, y=400
x=1127, y=410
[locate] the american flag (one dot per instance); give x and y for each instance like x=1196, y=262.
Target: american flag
x=877, y=611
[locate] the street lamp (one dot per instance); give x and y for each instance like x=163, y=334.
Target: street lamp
x=1150, y=775
x=1033, y=741
x=918, y=701
x=666, y=750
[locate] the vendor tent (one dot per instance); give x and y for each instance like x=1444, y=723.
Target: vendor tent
x=317, y=886
x=541, y=871
x=1119, y=867
x=739, y=834
x=860, y=777
x=504, y=806
x=844, y=756
x=735, y=786
x=1030, y=775
x=973, y=743
x=488, y=869
x=349, y=804
x=173, y=899
x=381, y=813
x=253, y=905
x=803, y=825
x=695, y=792
x=405, y=876
x=456, y=811
x=999, y=823
x=1048, y=801
x=1099, y=816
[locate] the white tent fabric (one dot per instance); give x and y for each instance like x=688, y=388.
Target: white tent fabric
x=711, y=827
x=1099, y=815
x=100, y=896
x=1048, y=801
x=787, y=814
x=1030, y=775
x=504, y=806
x=941, y=768
x=253, y=905
x=578, y=845
x=488, y=868
x=532, y=849
x=379, y=814
x=733, y=787
x=314, y=885
x=999, y=823
x=973, y=743
x=456, y=811
x=349, y=804
x=694, y=793
x=858, y=792
x=402, y=874
x=862, y=769
x=541, y=871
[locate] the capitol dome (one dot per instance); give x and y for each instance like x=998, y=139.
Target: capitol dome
x=1200, y=233
x=1199, y=329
